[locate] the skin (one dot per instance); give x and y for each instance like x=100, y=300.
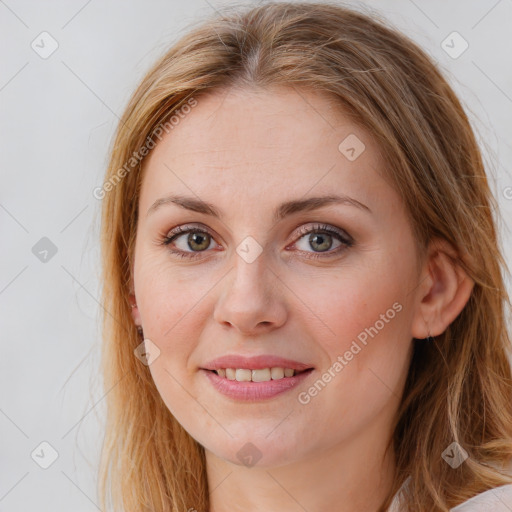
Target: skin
x=247, y=151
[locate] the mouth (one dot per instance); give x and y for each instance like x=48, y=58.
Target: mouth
x=255, y=385
x=258, y=374
x=255, y=377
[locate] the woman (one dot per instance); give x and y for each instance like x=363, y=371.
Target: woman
x=302, y=279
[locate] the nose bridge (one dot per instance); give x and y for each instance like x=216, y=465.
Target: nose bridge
x=249, y=281
x=250, y=297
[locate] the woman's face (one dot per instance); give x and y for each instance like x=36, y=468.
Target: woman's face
x=328, y=284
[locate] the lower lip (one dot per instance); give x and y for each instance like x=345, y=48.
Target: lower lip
x=254, y=391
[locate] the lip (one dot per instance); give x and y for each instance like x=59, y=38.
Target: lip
x=253, y=391
x=255, y=363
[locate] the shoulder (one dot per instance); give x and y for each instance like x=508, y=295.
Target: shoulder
x=498, y=499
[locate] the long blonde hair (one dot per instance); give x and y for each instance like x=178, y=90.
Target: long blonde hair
x=459, y=387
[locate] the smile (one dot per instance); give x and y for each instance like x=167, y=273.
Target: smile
x=242, y=384
x=257, y=375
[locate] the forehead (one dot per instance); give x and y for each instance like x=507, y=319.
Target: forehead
x=242, y=146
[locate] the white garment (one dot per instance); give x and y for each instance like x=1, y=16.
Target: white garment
x=498, y=499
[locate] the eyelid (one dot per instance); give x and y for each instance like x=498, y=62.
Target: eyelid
x=184, y=228
x=320, y=226
x=304, y=229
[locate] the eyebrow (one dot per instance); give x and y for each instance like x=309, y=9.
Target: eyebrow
x=283, y=210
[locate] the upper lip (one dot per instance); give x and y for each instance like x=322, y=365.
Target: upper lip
x=254, y=362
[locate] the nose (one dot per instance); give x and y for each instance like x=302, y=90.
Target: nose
x=250, y=300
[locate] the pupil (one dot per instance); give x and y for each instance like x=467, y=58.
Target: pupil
x=193, y=238
x=324, y=246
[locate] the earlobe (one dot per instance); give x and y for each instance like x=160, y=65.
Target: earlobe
x=446, y=290
x=135, y=310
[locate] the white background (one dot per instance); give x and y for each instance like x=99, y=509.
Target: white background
x=57, y=118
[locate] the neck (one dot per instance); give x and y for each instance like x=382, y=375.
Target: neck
x=356, y=474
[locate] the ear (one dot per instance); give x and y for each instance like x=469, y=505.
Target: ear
x=135, y=308
x=443, y=292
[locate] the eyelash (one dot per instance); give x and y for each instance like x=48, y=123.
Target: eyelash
x=317, y=228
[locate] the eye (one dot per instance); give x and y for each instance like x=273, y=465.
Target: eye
x=320, y=238
x=198, y=240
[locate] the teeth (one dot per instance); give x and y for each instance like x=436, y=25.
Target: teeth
x=260, y=375
x=242, y=375
x=276, y=373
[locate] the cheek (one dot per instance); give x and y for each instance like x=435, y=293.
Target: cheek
x=167, y=296
x=170, y=311
x=361, y=322
x=369, y=351
x=343, y=304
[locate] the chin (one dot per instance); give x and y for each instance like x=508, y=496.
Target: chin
x=255, y=452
